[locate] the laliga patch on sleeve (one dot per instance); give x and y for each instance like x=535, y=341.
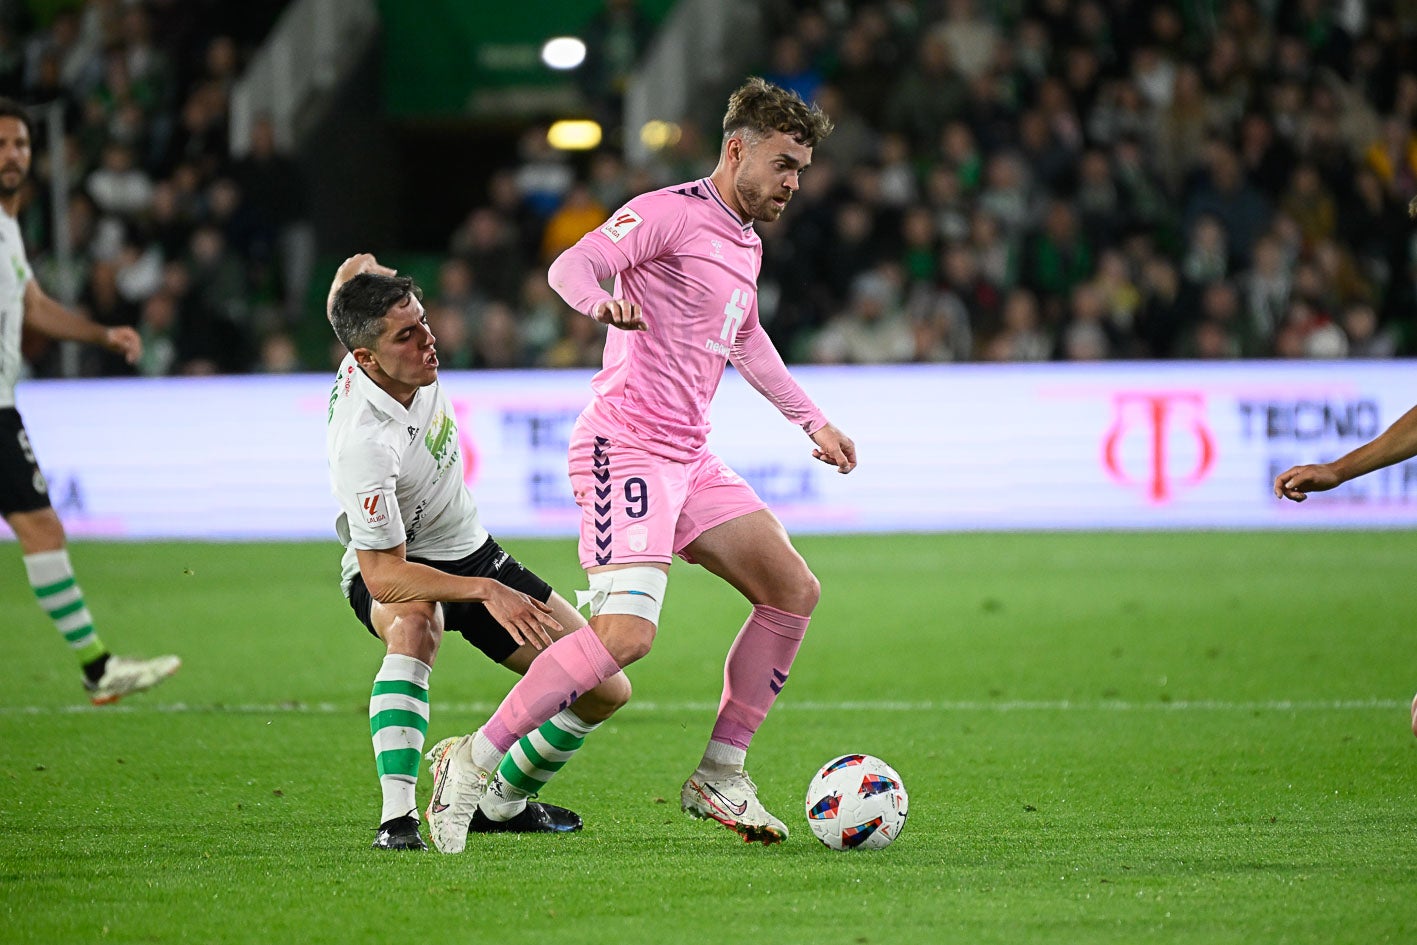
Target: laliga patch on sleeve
x=619, y=226
x=375, y=506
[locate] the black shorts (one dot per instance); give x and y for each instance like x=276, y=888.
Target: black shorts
x=472, y=620
x=22, y=486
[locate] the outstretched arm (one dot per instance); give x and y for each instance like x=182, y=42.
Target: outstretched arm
x=47, y=316
x=576, y=275
x=761, y=365
x=1395, y=444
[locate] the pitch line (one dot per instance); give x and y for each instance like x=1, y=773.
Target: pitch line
x=861, y=705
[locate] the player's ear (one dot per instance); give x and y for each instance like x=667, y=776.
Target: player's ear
x=364, y=357
x=735, y=148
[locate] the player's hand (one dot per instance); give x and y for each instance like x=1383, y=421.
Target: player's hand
x=619, y=313
x=351, y=267
x=834, y=448
x=527, y=619
x=125, y=341
x=1297, y=482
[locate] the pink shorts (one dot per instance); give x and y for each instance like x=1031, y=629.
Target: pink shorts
x=636, y=506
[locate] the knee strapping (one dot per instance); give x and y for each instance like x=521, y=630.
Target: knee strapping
x=638, y=591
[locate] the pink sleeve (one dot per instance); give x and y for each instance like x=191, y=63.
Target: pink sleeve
x=636, y=233
x=576, y=275
x=758, y=361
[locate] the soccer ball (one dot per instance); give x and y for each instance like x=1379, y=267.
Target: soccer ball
x=856, y=802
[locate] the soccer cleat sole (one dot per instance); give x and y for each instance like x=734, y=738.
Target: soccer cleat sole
x=751, y=833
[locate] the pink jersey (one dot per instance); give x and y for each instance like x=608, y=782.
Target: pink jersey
x=692, y=265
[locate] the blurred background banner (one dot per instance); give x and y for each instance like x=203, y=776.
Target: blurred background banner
x=964, y=447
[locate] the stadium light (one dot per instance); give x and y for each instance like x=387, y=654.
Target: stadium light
x=563, y=52
x=658, y=135
x=578, y=134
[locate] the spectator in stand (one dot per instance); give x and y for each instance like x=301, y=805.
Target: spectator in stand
x=994, y=255
x=971, y=35
x=457, y=288
x=278, y=354
x=1310, y=204
x=1021, y=338
x=865, y=69
x=488, y=243
x=1085, y=334
x=119, y=186
x=1060, y=256
x=580, y=345
x=1367, y=337
x=579, y=212
x=945, y=315
x=542, y=312
x=1098, y=198
x=157, y=325
x=1265, y=287
x=275, y=197
x=919, y=245
x=1164, y=304
x=1393, y=156
x=1206, y=257
x=497, y=342
x=872, y=328
x=1374, y=227
x=790, y=67
x=930, y=94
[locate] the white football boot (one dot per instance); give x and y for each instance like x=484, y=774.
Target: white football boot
x=123, y=676
x=458, y=785
x=732, y=800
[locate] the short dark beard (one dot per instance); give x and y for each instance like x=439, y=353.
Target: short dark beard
x=754, y=203
x=8, y=192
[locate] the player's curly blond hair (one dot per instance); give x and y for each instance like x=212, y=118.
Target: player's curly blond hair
x=759, y=108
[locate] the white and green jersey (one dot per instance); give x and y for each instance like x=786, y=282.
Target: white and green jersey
x=397, y=474
x=14, y=275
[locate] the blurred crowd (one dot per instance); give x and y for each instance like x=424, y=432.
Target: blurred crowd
x=207, y=254
x=1024, y=180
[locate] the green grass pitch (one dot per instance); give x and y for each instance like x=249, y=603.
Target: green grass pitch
x=1123, y=738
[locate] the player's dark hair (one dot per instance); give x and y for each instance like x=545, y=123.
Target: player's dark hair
x=361, y=304
x=9, y=108
x=760, y=108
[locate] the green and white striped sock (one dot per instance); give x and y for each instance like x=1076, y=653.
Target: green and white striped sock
x=398, y=723
x=52, y=579
x=538, y=755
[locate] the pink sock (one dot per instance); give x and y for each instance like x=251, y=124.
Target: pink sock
x=756, y=671
x=574, y=664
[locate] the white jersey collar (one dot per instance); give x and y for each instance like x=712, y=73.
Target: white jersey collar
x=380, y=399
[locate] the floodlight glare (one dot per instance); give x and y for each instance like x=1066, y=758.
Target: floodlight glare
x=579, y=134
x=563, y=52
